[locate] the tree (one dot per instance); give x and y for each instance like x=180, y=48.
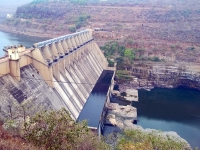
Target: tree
x=72, y=29
x=56, y=130
x=110, y=63
x=78, y=25
x=112, y=48
x=128, y=53
x=121, y=50
x=156, y=59
x=120, y=63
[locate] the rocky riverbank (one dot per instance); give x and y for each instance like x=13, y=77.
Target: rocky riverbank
x=122, y=119
x=148, y=76
x=117, y=133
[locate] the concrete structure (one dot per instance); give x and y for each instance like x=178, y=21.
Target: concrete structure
x=9, y=16
x=56, y=73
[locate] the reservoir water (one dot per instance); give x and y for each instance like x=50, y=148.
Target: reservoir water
x=14, y=39
x=171, y=110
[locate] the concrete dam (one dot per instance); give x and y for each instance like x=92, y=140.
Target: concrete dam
x=53, y=74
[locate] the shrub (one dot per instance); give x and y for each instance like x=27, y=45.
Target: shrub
x=123, y=75
x=110, y=63
x=72, y=29
x=16, y=22
x=78, y=25
x=112, y=47
x=138, y=140
x=156, y=59
x=56, y=130
x=129, y=54
x=191, y=48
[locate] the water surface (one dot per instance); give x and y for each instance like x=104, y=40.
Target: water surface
x=94, y=106
x=171, y=110
x=14, y=39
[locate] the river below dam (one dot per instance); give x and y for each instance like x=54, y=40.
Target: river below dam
x=171, y=110
x=9, y=39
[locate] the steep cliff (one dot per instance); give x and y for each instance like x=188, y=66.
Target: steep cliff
x=165, y=76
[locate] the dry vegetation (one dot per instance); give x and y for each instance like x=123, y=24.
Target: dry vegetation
x=55, y=130
x=137, y=140
x=52, y=130
x=11, y=142
x=165, y=29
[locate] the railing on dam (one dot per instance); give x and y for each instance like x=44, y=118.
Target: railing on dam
x=58, y=52
x=86, y=35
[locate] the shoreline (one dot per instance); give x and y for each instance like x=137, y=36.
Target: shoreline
x=125, y=122
x=147, y=130
x=6, y=29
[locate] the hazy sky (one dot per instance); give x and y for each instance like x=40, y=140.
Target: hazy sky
x=10, y=6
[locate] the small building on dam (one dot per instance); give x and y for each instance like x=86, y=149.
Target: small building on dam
x=53, y=74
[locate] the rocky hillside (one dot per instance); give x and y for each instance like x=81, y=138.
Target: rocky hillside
x=167, y=75
x=165, y=29
x=147, y=75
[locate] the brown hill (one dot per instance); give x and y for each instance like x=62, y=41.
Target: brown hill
x=165, y=29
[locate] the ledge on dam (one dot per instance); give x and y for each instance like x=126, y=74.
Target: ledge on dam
x=54, y=74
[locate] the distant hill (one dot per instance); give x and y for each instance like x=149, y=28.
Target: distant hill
x=10, y=6
x=165, y=29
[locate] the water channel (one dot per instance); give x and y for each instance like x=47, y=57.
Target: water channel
x=94, y=106
x=165, y=109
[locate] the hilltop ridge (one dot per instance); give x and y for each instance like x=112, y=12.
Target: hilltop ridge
x=164, y=29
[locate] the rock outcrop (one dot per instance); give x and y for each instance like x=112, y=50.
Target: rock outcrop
x=123, y=120
x=164, y=76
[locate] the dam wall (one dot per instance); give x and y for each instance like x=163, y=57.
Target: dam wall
x=53, y=74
